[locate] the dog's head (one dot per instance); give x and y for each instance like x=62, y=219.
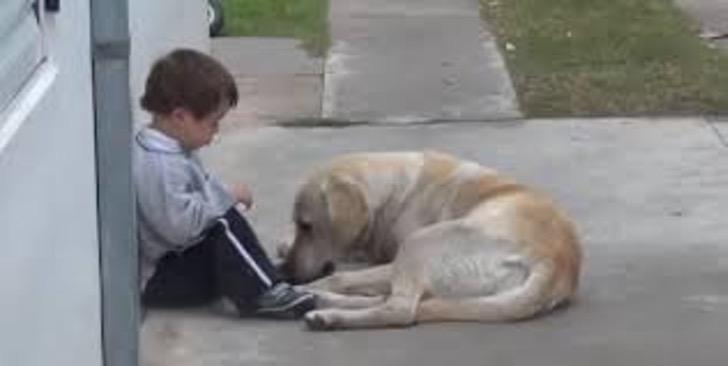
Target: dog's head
x=329, y=214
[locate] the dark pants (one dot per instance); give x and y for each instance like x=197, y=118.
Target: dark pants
x=228, y=262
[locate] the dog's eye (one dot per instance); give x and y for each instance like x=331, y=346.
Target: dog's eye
x=305, y=227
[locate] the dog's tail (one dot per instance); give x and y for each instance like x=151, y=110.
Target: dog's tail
x=527, y=300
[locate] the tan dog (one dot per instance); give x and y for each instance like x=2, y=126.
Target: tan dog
x=449, y=239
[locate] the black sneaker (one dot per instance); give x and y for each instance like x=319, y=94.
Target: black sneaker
x=284, y=302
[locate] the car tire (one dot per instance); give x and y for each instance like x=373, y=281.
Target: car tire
x=215, y=16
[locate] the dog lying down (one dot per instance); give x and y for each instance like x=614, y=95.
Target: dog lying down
x=447, y=240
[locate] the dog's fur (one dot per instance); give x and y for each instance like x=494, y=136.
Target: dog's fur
x=449, y=240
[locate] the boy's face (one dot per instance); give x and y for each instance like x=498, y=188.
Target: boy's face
x=194, y=132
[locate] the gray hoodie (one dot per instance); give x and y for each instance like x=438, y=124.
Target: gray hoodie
x=176, y=199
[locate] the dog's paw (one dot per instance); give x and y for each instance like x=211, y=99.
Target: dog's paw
x=317, y=321
x=332, y=283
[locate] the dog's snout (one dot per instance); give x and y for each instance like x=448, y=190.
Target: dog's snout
x=329, y=268
x=285, y=271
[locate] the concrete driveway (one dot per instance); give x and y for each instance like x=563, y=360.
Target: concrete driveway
x=650, y=200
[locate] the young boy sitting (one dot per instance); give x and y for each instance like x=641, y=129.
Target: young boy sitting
x=195, y=245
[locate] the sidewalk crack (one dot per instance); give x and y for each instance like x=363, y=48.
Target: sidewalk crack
x=721, y=137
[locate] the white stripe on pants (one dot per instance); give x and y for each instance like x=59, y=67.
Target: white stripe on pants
x=244, y=253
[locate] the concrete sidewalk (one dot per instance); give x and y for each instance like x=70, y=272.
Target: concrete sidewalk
x=648, y=196
x=277, y=80
x=399, y=61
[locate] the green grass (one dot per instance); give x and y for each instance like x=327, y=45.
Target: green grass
x=607, y=57
x=302, y=19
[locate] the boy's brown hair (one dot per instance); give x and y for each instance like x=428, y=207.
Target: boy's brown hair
x=189, y=79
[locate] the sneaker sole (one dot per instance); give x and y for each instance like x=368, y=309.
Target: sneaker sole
x=286, y=307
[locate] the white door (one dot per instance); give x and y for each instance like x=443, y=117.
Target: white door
x=49, y=266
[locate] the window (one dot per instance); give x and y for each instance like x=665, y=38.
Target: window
x=21, y=48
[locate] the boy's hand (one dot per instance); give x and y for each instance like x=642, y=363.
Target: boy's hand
x=242, y=194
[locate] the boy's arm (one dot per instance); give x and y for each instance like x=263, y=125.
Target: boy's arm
x=175, y=210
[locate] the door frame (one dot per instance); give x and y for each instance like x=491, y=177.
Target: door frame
x=120, y=310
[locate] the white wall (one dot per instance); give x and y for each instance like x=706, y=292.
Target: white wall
x=49, y=267
x=158, y=26
x=50, y=307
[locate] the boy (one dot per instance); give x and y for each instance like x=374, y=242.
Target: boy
x=195, y=246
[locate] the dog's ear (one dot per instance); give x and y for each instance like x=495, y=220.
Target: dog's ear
x=347, y=209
